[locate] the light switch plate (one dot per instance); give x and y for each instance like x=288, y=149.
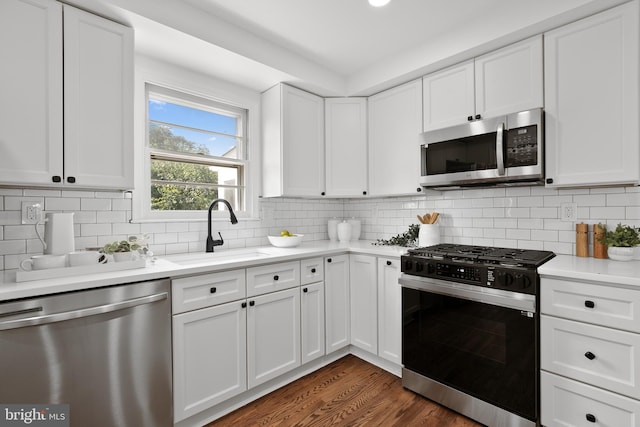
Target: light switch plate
x=31, y=212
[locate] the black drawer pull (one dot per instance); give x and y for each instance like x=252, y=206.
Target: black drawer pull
x=252, y=303
x=213, y=290
x=589, y=355
x=591, y=418
x=305, y=290
x=589, y=304
x=313, y=270
x=243, y=305
x=389, y=263
x=276, y=277
x=328, y=259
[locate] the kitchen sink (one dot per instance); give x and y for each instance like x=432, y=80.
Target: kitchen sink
x=212, y=258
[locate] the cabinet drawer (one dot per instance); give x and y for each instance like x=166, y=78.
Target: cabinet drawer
x=568, y=403
x=191, y=293
x=311, y=270
x=599, y=356
x=598, y=304
x=274, y=277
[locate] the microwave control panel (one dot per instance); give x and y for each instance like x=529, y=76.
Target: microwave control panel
x=521, y=147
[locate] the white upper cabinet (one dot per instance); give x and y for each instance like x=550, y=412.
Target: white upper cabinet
x=293, y=143
x=346, y=146
x=591, y=100
x=98, y=101
x=448, y=96
x=395, y=124
x=504, y=81
x=31, y=87
x=97, y=89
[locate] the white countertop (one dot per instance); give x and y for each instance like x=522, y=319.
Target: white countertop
x=187, y=264
x=621, y=273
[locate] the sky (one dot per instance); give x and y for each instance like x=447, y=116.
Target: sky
x=194, y=118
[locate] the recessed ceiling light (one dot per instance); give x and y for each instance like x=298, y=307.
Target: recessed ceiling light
x=378, y=3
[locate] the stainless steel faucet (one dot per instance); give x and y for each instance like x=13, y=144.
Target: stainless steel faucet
x=210, y=242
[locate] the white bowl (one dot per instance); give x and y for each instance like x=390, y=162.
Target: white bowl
x=285, y=241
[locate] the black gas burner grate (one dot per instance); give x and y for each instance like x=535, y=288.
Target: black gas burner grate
x=483, y=254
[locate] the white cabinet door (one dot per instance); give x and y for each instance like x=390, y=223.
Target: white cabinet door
x=510, y=79
x=31, y=87
x=293, y=142
x=336, y=273
x=98, y=101
x=591, y=100
x=389, y=310
x=364, y=302
x=448, y=96
x=209, y=357
x=312, y=321
x=395, y=124
x=346, y=146
x=273, y=335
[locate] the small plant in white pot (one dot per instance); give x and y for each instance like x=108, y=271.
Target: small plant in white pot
x=123, y=250
x=621, y=242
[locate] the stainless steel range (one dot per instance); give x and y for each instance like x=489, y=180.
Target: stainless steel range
x=470, y=330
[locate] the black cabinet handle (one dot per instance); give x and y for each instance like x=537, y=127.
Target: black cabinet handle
x=244, y=305
x=313, y=270
x=589, y=304
x=549, y=181
x=419, y=189
x=252, y=303
x=589, y=355
x=322, y=194
x=328, y=259
x=478, y=116
x=71, y=179
x=469, y=118
x=213, y=290
x=389, y=263
x=364, y=193
x=276, y=277
x=305, y=290
x=56, y=178
x=591, y=418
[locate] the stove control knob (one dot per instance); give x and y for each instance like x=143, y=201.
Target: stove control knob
x=408, y=265
x=431, y=268
x=504, y=279
x=419, y=266
x=522, y=281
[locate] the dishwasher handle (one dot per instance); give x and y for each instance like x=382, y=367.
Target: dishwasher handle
x=83, y=312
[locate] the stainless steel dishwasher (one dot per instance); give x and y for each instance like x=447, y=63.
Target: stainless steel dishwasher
x=106, y=352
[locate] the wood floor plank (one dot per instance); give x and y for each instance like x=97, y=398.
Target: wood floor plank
x=349, y=392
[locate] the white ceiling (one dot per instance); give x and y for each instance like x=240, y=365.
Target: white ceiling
x=331, y=47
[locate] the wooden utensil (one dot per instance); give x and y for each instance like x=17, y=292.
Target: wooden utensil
x=420, y=219
x=434, y=217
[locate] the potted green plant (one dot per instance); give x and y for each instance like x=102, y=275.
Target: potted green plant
x=620, y=242
x=122, y=250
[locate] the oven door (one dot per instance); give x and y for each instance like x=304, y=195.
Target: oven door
x=482, y=342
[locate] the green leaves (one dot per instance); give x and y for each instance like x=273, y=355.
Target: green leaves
x=623, y=236
x=407, y=238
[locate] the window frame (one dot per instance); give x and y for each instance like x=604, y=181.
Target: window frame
x=193, y=86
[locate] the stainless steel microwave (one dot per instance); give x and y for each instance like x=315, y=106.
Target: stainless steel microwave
x=505, y=150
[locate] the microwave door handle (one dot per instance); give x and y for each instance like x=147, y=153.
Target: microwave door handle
x=500, y=148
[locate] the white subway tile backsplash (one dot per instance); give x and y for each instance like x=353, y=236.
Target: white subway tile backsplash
x=524, y=217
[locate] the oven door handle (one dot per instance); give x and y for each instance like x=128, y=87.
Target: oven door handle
x=498, y=297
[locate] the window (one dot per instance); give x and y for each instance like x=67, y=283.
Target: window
x=197, y=153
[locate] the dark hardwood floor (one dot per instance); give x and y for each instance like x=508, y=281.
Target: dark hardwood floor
x=348, y=392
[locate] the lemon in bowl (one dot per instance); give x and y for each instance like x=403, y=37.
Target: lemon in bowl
x=286, y=239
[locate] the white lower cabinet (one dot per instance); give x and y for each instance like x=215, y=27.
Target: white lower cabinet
x=590, y=354
x=273, y=335
x=337, y=320
x=389, y=310
x=312, y=321
x=363, y=286
x=209, y=357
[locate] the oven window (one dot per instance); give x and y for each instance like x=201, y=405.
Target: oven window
x=462, y=155
x=480, y=349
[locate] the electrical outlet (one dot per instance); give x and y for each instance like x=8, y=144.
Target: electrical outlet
x=569, y=212
x=31, y=212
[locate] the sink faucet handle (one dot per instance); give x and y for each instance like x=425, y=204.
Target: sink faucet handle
x=219, y=242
